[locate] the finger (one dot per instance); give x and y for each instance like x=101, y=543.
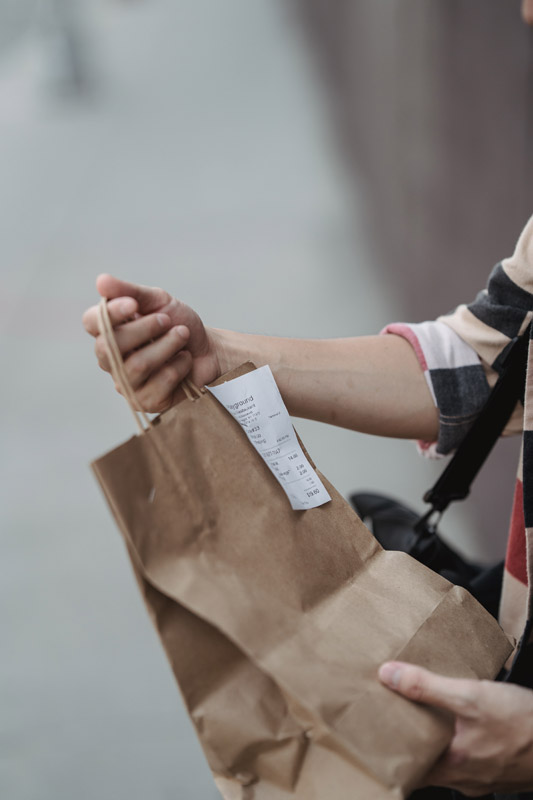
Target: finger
x=527, y=11
x=135, y=334
x=152, y=357
x=418, y=684
x=149, y=298
x=120, y=310
x=161, y=391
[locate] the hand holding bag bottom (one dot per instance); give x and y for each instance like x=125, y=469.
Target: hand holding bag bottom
x=275, y=621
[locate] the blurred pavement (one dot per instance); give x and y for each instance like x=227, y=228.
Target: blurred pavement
x=200, y=162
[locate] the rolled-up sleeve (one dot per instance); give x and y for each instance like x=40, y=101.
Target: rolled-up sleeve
x=455, y=376
x=461, y=353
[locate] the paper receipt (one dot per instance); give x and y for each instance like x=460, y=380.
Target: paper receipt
x=255, y=402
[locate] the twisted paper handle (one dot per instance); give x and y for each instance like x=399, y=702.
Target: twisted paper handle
x=118, y=370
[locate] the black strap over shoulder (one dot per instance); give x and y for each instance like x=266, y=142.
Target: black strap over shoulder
x=457, y=478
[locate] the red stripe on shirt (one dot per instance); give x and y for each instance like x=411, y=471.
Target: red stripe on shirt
x=516, y=558
x=406, y=332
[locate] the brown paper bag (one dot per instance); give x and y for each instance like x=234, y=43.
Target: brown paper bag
x=275, y=621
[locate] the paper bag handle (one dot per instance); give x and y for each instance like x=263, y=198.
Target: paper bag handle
x=118, y=370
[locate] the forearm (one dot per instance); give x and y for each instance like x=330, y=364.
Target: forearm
x=372, y=384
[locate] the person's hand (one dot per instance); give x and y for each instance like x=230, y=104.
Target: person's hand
x=492, y=747
x=162, y=341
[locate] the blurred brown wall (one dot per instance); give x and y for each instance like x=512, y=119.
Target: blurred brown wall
x=433, y=101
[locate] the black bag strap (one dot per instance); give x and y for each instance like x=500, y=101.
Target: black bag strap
x=457, y=478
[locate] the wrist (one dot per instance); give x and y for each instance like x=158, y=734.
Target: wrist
x=232, y=349
x=221, y=346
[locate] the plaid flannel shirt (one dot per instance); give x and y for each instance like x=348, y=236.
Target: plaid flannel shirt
x=459, y=355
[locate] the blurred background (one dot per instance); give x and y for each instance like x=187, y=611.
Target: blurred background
x=301, y=168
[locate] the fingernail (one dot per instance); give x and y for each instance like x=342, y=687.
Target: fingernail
x=183, y=331
x=163, y=320
x=390, y=674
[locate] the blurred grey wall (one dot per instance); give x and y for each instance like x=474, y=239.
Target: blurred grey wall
x=15, y=17
x=433, y=103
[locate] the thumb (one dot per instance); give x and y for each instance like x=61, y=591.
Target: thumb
x=416, y=683
x=149, y=299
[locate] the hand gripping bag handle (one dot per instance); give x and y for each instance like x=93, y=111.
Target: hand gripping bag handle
x=120, y=377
